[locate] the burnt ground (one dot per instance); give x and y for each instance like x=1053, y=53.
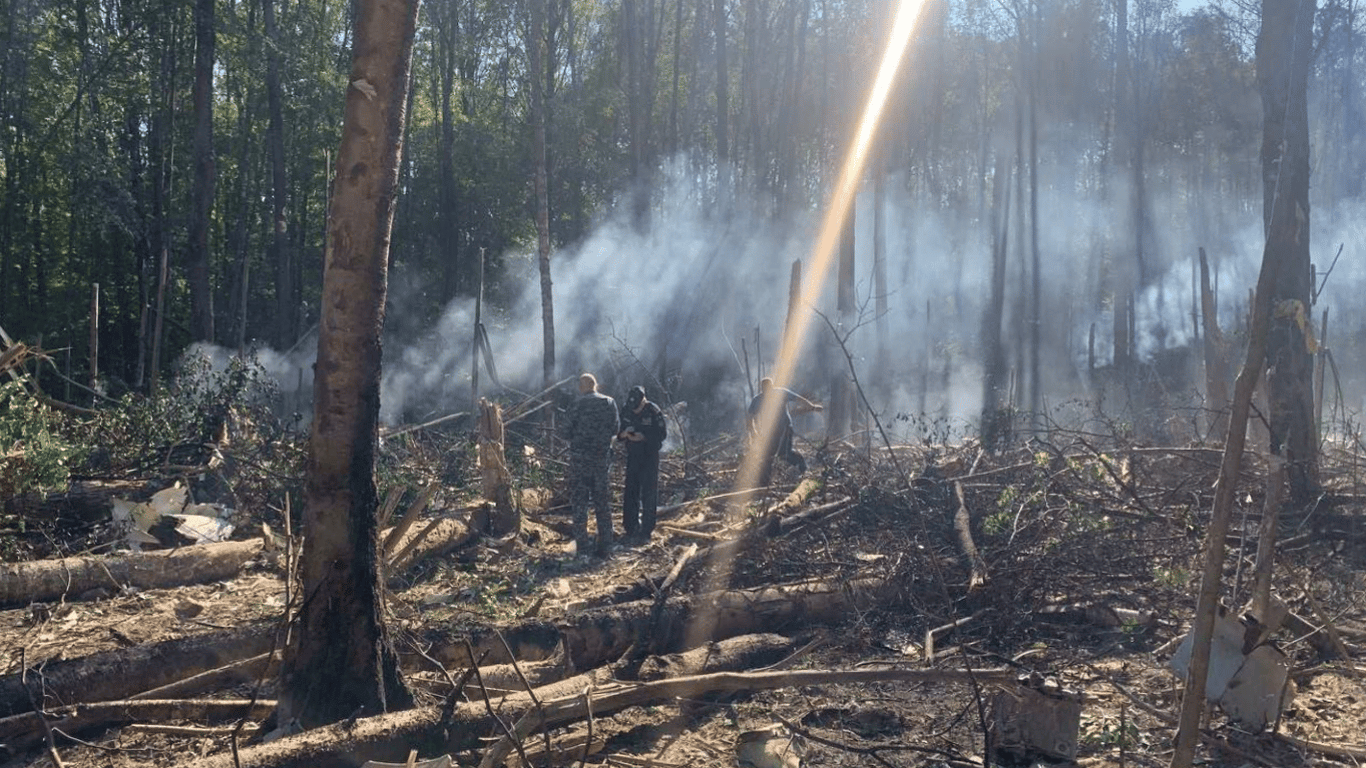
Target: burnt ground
x=1091, y=547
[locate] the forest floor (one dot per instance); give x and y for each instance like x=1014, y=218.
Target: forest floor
x=1089, y=547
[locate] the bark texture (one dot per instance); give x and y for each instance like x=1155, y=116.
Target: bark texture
x=339, y=661
x=68, y=578
x=1284, y=53
x=121, y=674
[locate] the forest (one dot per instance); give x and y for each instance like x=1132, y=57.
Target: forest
x=178, y=157
x=293, y=297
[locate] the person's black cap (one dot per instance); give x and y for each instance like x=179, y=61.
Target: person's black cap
x=635, y=396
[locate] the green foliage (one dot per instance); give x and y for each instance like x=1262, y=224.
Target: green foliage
x=145, y=429
x=34, y=455
x=1103, y=732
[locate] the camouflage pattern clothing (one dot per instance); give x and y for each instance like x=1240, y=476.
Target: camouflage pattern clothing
x=593, y=422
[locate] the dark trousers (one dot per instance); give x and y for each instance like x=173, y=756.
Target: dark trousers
x=640, y=500
x=781, y=447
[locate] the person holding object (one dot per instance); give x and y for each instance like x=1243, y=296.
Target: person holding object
x=780, y=444
x=593, y=421
x=643, y=432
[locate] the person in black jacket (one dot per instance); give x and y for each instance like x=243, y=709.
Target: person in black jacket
x=643, y=431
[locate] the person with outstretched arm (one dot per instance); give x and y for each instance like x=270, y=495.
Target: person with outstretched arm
x=780, y=445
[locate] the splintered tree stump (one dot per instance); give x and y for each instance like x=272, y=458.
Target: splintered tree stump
x=73, y=576
x=505, y=518
x=1035, y=721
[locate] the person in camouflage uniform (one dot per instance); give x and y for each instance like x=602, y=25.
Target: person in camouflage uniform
x=593, y=422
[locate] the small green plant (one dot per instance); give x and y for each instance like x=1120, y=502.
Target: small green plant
x=1171, y=577
x=1104, y=733
x=34, y=455
x=998, y=523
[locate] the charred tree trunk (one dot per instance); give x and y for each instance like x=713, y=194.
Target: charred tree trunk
x=1216, y=358
x=1284, y=53
x=339, y=660
x=205, y=175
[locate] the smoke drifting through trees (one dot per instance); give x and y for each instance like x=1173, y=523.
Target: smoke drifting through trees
x=676, y=301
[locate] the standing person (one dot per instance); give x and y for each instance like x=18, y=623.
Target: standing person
x=643, y=430
x=781, y=442
x=592, y=424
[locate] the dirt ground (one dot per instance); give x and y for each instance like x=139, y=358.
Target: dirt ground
x=1091, y=552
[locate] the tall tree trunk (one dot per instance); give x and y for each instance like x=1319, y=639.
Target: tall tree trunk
x=633, y=44
x=339, y=660
x=205, y=175
x=281, y=255
x=1121, y=268
x=1035, y=267
x=542, y=194
x=673, y=91
x=840, y=414
x=722, y=104
x=995, y=418
x=1284, y=53
x=445, y=21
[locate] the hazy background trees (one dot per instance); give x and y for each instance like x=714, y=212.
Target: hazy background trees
x=687, y=144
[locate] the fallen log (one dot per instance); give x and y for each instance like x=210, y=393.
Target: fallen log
x=594, y=637
x=246, y=671
x=120, y=674
x=72, y=576
x=744, y=652
x=19, y=732
x=439, y=537
x=391, y=737
x=553, y=678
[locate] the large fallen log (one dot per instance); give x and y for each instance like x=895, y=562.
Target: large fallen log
x=600, y=635
x=19, y=732
x=72, y=576
x=549, y=680
x=120, y=674
x=430, y=731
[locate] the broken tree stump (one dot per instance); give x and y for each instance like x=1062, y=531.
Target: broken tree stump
x=506, y=518
x=72, y=576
